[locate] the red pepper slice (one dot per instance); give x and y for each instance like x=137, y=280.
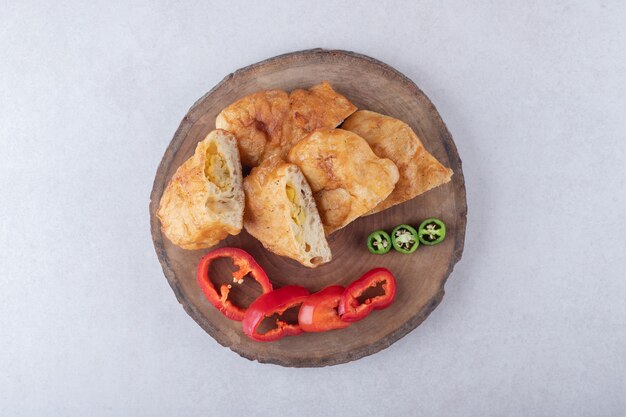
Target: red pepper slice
x=351, y=309
x=318, y=313
x=274, y=303
x=246, y=264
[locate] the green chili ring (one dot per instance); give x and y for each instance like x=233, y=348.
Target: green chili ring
x=404, y=239
x=432, y=231
x=379, y=242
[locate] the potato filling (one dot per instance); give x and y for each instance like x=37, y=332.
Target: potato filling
x=296, y=211
x=216, y=169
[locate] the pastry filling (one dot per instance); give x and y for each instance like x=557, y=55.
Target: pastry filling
x=296, y=212
x=216, y=169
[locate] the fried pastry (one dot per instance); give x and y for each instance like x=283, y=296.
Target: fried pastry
x=392, y=138
x=203, y=203
x=270, y=122
x=281, y=213
x=347, y=178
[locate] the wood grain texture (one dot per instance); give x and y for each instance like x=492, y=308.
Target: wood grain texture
x=369, y=84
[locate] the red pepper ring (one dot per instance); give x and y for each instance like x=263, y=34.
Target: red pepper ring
x=351, y=309
x=246, y=264
x=274, y=302
x=318, y=313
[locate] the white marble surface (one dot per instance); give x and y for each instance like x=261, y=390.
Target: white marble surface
x=534, y=319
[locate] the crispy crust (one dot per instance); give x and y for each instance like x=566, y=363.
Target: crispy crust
x=347, y=178
x=194, y=212
x=270, y=122
x=392, y=138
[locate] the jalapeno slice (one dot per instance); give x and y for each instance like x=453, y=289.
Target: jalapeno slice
x=432, y=231
x=404, y=239
x=379, y=242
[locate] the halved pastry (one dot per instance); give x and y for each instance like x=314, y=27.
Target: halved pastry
x=281, y=213
x=346, y=177
x=269, y=122
x=203, y=203
x=392, y=138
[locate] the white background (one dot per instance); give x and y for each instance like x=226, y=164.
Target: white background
x=534, y=318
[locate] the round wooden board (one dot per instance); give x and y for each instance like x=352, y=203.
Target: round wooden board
x=369, y=84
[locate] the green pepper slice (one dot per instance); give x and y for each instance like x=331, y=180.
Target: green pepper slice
x=404, y=239
x=379, y=242
x=432, y=231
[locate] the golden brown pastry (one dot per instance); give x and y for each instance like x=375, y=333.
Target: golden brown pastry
x=270, y=122
x=203, y=203
x=392, y=138
x=280, y=212
x=346, y=177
